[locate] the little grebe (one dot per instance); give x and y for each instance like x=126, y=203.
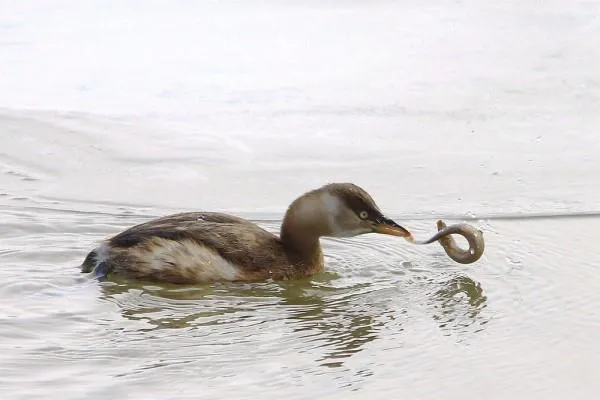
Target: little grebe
x=199, y=247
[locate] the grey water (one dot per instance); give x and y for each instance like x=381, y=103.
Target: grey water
x=112, y=114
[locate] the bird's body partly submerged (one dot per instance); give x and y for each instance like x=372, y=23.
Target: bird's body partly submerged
x=200, y=247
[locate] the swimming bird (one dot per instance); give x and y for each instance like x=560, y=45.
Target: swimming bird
x=196, y=247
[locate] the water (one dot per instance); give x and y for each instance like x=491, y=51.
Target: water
x=113, y=114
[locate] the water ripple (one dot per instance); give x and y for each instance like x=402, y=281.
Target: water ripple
x=379, y=299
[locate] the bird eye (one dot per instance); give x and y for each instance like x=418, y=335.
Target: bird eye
x=363, y=215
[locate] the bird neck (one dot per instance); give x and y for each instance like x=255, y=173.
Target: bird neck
x=302, y=227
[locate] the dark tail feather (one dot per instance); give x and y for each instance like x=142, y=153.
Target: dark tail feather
x=102, y=271
x=90, y=262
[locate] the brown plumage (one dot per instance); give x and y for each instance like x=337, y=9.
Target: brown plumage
x=206, y=247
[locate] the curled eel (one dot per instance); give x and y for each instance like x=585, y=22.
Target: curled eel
x=473, y=235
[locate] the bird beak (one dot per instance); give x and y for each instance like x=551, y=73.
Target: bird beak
x=388, y=227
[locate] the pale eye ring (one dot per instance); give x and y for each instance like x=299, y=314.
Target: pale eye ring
x=363, y=215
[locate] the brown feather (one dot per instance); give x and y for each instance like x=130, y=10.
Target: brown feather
x=203, y=246
x=257, y=253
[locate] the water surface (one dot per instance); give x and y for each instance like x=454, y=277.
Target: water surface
x=386, y=317
x=112, y=114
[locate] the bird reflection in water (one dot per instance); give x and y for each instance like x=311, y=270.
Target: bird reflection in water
x=334, y=320
x=331, y=321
